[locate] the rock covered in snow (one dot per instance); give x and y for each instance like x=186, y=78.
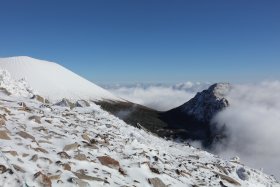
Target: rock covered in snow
x=208, y=102
x=10, y=86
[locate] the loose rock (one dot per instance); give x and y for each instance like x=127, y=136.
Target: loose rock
x=156, y=182
x=109, y=162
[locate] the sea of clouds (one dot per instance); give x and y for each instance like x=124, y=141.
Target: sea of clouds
x=253, y=125
x=252, y=119
x=161, y=97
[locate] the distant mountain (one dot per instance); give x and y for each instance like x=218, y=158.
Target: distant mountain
x=207, y=103
x=192, y=120
x=52, y=80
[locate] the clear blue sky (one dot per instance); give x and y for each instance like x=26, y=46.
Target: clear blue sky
x=148, y=41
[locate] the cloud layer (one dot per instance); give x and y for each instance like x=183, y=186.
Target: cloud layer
x=161, y=97
x=253, y=123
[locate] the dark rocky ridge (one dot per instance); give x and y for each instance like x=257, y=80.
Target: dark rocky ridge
x=192, y=120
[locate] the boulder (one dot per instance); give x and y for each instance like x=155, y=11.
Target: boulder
x=18, y=168
x=4, y=135
x=87, y=177
x=25, y=135
x=228, y=179
x=81, y=157
x=67, y=167
x=37, y=119
x=63, y=155
x=13, y=153
x=43, y=179
x=86, y=137
x=242, y=174
x=65, y=103
x=156, y=182
x=82, y=103
x=2, y=169
x=78, y=182
x=69, y=147
x=109, y=162
x=34, y=158
x=2, y=120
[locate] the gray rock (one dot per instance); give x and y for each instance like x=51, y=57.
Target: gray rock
x=69, y=147
x=65, y=103
x=156, y=182
x=82, y=103
x=242, y=174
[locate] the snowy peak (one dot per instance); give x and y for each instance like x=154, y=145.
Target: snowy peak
x=208, y=102
x=52, y=80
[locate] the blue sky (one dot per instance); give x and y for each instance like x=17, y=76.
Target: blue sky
x=148, y=41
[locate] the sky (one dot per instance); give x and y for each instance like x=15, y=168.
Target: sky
x=126, y=41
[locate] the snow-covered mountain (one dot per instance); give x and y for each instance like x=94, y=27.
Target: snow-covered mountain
x=53, y=81
x=208, y=102
x=59, y=145
x=192, y=120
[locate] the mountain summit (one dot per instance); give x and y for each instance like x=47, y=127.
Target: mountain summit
x=208, y=102
x=192, y=120
x=52, y=80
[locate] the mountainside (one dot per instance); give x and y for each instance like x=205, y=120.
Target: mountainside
x=52, y=80
x=82, y=145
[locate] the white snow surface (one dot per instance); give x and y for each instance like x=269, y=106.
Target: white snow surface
x=14, y=87
x=53, y=81
x=32, y=134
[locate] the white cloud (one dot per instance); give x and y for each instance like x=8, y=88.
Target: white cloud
x=158, y=96
x=253, y=123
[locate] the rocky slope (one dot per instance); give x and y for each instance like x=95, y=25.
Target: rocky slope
x=79, y=144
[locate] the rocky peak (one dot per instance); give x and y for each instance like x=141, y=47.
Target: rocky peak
x=208, y=102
